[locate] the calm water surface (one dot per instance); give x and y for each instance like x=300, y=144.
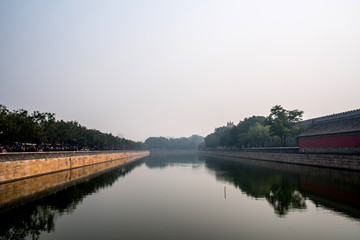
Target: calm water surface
x=196, y=197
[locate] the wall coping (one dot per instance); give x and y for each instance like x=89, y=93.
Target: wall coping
x=18, y=156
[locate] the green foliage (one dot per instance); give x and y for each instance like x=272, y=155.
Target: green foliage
x=20, y=126
x=244, y=139
x=211, y=141
x=157, y=142
x=256, y=130
x=258, y=134
x=247, y=133
x=174, y=143
x=284, y=122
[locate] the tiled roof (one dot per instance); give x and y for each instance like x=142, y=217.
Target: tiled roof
x=346, y=122
x=336, y=116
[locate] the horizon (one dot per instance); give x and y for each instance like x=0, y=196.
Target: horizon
x=119, y=135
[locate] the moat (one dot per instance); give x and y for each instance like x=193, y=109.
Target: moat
x=186, y=196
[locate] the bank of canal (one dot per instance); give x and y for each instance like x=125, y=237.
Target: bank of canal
x=337, y=161
x=26, y=176
x=17, y=166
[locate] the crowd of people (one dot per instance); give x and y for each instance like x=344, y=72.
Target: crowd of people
x=31, y=147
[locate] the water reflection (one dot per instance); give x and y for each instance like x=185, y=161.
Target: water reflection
x=163, y=160
x=281, y=190
x=38, y=216
x=287, y=187
x=171, y=194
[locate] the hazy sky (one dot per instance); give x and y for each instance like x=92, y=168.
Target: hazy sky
x=177, y=68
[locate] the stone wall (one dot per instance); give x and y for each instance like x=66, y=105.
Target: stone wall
x=18, y=192
x=19, y=169
x=349, y=162
x=14, y=156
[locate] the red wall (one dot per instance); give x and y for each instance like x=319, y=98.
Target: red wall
x=330, y=141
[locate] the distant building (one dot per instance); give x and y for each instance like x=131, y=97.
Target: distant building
x=337, y=133
x=230, y=124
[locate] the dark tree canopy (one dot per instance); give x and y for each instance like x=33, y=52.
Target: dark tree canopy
x=247, y=133
x=255, y=131
x=19, y=126
x=163, y=143
x=284, y=122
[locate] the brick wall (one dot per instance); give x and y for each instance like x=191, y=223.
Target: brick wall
x=350, y=162
x=16, y=192
x=20, y=169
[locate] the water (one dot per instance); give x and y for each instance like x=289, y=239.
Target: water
x=192, y=197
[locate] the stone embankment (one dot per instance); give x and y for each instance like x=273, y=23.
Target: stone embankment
x=24, y=165
x=349, y=162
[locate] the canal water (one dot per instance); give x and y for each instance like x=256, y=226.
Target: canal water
x=185, y=196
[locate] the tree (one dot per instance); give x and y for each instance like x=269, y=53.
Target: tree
x=174, y=143
x=243, y=128
x=21, y=127
x=211, y=141
x=284, y=122
x=157, y=142
x=238, y=136
x=258, y=134
x=196, y=140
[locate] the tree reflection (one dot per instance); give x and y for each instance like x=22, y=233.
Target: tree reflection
x=281, y=190
x=27, y=222
x=285, y=197
x=39, y=216
x=165, y=159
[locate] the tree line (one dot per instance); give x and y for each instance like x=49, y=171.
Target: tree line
x=19, y=127
x=255, y=131
x=163, y=143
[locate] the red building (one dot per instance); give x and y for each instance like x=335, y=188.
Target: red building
x=338, y=133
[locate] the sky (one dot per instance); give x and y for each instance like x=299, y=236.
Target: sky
x=176, y=68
